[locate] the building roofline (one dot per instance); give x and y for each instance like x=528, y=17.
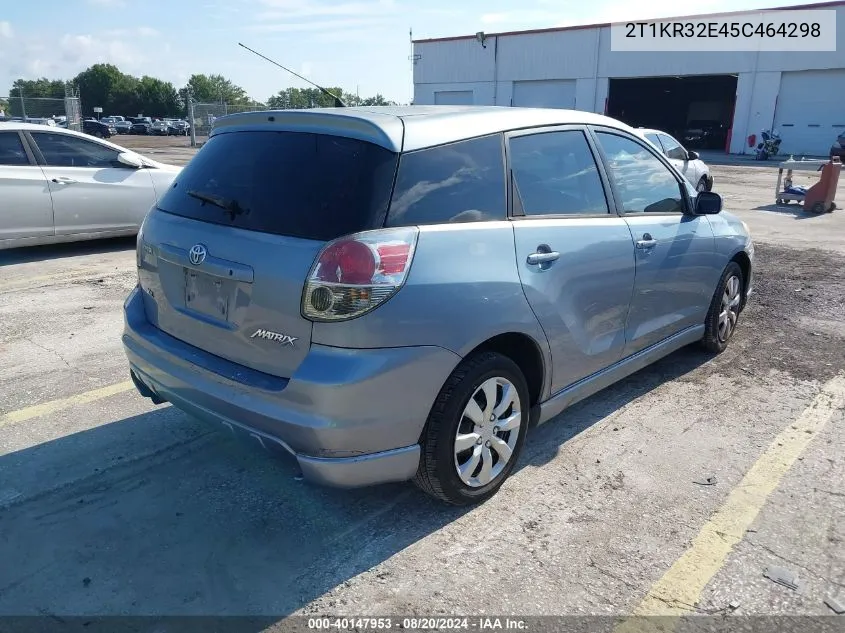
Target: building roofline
x=579, y=27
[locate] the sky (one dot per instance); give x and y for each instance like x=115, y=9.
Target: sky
x=359, y=45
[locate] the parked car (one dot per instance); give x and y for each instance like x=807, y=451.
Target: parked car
x=123, y=127
x=180, y=127
x=58, y=185
x=160, y=128
x=421, y=297
x=705, y=135
x=838, y=147
x=687, y=162
x=141, y=127
x=98, y=128
x=40, y=121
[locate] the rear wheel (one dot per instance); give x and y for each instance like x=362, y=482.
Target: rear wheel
x=475, y=431
x=724, y=310
x=702, y=184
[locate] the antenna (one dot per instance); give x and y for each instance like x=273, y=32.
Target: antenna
x=338, y=102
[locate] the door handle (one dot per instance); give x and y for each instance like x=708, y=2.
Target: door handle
x=62, y=180
x=542, y=258
x=647, y=242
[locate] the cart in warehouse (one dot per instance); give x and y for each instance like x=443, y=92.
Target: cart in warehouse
x=817, y=198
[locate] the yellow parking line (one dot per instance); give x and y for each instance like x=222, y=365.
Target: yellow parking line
x=57, y=405
x=680, y=588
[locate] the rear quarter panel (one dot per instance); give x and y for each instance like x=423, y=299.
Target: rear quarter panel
x=463, y=288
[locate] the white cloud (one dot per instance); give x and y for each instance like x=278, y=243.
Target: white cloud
x=6, y=30
x=317, y=25
x=522, y=17
x=107, y=3
x=290, y=9
x=141, y=31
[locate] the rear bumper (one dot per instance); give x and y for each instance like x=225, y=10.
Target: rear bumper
x=350, y=417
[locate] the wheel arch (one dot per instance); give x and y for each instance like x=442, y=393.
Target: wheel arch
x=527, y=353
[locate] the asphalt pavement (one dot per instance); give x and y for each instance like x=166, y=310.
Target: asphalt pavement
x=668, y=493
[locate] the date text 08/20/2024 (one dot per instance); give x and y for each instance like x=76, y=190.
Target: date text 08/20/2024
x=417, y=624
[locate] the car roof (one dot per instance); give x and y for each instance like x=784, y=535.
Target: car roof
x=408, y=128
x=648, y=130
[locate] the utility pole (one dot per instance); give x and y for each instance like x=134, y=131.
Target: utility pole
x=191, y=121
x=23, y=106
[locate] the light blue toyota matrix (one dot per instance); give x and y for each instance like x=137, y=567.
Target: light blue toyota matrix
x=400, y=293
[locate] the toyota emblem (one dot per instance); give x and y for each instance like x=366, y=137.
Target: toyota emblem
x=197, y=254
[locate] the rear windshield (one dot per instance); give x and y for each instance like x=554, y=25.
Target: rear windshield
x=306, y=185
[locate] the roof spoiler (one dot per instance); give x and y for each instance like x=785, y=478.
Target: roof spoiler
x=338, y=102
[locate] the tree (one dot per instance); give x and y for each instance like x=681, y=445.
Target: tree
x=4, y=106
x=156, y=97
x=215, y=89
x=32, y=90
x=99, y=85
x=294, y=98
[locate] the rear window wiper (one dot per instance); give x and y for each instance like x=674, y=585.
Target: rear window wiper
x=227, y=204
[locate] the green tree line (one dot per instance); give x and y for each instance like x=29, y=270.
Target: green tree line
x=105, y=86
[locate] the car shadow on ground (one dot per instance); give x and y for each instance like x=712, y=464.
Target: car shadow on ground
x=204, y=525
x=71, y=249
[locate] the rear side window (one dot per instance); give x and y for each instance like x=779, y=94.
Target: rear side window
x=313, y=186
x=459, y=182
x=11, y=150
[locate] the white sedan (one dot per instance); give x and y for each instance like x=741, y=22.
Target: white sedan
x=688, y=163
x=58, y=185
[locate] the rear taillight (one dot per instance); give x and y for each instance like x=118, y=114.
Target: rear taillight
x=356, y=273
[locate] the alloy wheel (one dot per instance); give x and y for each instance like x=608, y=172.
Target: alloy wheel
x=729, y=310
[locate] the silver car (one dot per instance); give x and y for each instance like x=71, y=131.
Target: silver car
x=59, y=185
x=401, y=293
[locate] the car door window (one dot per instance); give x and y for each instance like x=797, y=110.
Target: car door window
x=643, y=182
x=555, y=173
x=64, y=150
x=12, y=151
x=672, y=148
x=653, y=138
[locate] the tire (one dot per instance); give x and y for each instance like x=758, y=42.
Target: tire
x=716, y=337
x=702, y=184
x=437, y=474
x=818, y=208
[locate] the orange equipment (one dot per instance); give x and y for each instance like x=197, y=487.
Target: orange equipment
x=819, y=197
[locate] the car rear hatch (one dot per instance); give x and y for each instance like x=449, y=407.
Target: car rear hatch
x=225, y=255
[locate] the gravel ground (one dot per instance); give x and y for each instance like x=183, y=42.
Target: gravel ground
x=114, y=506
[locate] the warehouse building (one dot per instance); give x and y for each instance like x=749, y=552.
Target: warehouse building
x=713, y=100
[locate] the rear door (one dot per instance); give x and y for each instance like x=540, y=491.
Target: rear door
x=575, y=256
x=216, y=278
x=675, y=279
x=91, y=190
x=26, y=209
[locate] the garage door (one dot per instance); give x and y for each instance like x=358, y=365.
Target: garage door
x=453, y=97
x=810, y=112
x=555, y=93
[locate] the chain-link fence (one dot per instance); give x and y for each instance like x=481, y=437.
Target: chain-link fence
x=63, y=112
x=202, y=115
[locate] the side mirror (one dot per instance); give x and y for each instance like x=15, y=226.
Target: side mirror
x=693, y=155
x=130, y=160
x=707, y=203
